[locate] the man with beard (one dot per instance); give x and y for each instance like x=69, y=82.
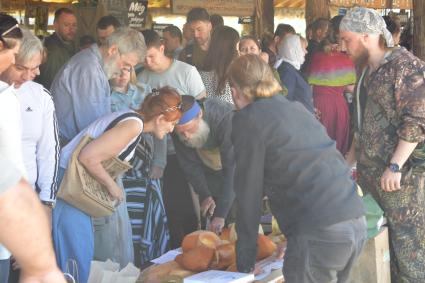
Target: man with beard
x=205, y=152
x=390, y=124
x=60, y=46
x=81, y=91
x=199, y=23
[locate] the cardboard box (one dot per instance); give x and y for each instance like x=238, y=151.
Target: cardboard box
x=373, y=265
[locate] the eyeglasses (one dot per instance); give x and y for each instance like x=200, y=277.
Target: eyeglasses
x=9, y=30
x=126, y=70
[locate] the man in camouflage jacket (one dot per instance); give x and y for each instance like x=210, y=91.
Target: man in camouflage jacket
x=390, y=136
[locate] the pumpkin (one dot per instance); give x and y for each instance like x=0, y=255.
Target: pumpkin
x=228, y=234
x=225, y=256
x=200, y=238
x=197, y=259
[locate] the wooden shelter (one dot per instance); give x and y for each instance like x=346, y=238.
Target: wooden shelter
x=262, y=10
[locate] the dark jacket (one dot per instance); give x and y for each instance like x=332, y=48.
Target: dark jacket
x=283, y=152
x=218, y=115
x=58, y=53
x=298, y=89
x=192, y=54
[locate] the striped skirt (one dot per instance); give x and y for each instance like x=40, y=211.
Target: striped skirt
x=145, y=207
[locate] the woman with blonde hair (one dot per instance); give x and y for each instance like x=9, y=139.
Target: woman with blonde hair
x=127, y=92
x=282, y=152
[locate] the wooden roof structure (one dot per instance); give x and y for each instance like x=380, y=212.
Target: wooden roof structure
x=299, y=4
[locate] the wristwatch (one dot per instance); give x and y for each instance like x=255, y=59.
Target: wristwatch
x=394, y=167
x=49, y=204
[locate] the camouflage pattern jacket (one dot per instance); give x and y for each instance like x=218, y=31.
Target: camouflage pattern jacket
x=394, y=109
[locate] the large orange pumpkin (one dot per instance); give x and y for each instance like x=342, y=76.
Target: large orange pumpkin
x=228, y=234
x=200, y=238
x=197, y=259
x=225, y=256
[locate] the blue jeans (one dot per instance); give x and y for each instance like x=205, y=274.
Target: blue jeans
x=73, y=237
x=4, y=270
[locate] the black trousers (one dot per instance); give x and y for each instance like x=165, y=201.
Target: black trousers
x=324, y=255
x=178, y=202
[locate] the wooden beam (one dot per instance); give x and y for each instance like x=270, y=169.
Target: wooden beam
x=419, y=28
x=263, y=17
x=297, y=4
x=315, y=9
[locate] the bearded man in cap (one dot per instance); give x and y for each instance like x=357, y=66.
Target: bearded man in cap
x=205, y=153
x=390, y=134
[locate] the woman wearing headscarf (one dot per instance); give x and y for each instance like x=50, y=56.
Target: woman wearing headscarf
x=292, y=50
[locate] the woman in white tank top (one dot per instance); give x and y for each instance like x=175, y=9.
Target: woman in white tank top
x=115, y=135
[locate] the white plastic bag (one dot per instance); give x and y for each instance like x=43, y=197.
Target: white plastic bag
x=108, y=272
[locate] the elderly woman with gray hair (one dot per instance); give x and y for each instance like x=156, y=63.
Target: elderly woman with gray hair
x=40, y=143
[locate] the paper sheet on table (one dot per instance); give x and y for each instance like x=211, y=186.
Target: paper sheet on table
x=267, y=266
x=168, y=256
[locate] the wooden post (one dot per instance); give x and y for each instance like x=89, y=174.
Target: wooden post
x=263, y=17
x=315, y=9
x=419, y=28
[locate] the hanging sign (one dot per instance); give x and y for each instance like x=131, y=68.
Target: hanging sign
x=221, y=7
x=131, y=13
x=245, y=20
x=137, y=11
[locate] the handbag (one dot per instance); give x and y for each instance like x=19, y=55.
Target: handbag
x=81, y=190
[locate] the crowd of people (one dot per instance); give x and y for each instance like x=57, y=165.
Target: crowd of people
x=212, y=125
